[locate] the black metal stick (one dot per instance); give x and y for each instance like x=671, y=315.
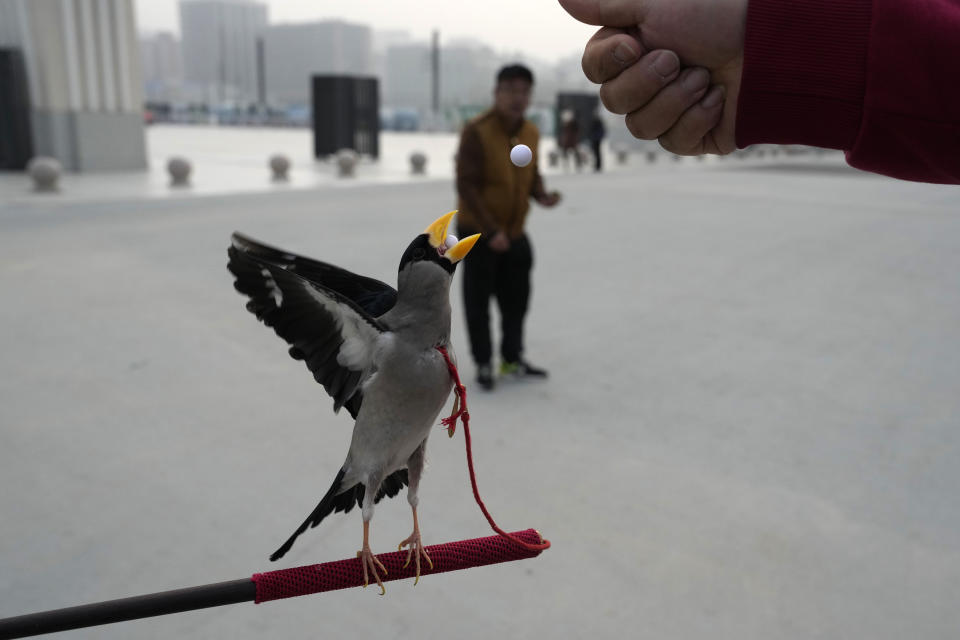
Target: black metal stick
x=154, y=604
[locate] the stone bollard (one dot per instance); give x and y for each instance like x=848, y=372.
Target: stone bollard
x=651, y=156
x=622, y=155
x=418, y=163
x=553, y=157
x=279, y=166
x=45, y=173
x=346, y=162
x=179, y=169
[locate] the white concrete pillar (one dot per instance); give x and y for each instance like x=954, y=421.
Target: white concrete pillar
x=83, y=72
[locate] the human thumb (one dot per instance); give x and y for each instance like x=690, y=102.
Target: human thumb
x=605, y=13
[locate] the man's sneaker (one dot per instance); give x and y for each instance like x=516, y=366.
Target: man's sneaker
x=521, y=369
x=485, y=377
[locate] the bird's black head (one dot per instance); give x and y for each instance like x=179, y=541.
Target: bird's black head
x=421, y=250
x=434, y=245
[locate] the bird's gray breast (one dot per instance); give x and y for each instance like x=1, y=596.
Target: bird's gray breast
x=401, y=403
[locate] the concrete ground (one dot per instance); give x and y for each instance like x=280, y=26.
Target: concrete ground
x=751, y=429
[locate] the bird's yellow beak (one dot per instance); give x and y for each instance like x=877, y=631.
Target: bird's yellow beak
x=437, y=231
x=458, y=252
x=437, y=234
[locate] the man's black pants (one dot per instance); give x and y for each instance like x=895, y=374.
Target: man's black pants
x=506, y=276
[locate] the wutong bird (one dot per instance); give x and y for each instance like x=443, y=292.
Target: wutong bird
x=375, y=351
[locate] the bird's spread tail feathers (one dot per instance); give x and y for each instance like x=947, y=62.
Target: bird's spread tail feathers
x=327, y=505
x=338, y=499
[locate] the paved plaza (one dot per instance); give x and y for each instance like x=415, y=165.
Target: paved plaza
x=751, y=428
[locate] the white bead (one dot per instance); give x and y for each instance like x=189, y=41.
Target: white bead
x=451, y=240
x=521, y=155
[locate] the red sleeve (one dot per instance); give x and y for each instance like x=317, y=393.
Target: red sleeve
x=879, y=79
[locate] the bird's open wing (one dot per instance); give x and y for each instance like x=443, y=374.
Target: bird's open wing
x=371, y=295
x=331, y=333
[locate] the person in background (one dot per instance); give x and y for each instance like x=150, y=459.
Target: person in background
x=596, y=134
x=569, y=138
x=493, y=199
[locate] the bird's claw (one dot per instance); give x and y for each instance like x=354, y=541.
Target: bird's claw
x=415, y=551
x=367, y=559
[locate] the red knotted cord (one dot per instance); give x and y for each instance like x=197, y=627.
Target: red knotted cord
x=460, y=411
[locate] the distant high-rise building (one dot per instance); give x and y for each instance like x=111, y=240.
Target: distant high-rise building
x=569, y=76
x=162, y=67
x=383, y=40
x=294, y=52
x=468, y=70
x=406, y=76
x=219, y=48
x=467, y=75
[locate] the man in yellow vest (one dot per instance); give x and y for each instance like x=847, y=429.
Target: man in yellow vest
x=494, y=197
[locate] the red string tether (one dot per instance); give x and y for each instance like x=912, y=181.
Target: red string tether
x=460, y=412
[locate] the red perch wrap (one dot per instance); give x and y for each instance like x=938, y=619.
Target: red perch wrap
x=343, y=574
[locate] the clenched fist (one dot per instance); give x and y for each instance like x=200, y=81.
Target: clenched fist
x=672, y=67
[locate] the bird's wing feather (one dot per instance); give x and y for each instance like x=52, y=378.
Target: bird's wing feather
x=371, y=295
x=331, y=333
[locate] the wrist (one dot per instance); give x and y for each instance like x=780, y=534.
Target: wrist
x=803, y=76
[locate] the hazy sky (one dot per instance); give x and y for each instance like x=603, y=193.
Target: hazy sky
x=537, y=27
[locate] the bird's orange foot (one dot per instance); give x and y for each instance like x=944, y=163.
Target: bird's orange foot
x=371, y=562
x=416, y=550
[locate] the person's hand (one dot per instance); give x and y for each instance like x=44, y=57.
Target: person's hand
x=500, y=242
x=649, y=59
x=550, y=199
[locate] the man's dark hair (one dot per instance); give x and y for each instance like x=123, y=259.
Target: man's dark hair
x=515, y=72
